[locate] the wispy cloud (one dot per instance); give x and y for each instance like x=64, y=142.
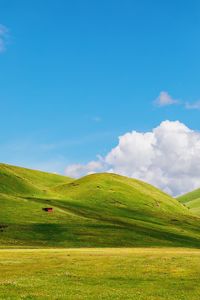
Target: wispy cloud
x=3, y=37
x=194, y=105
x=78, y=170
x=164, y=99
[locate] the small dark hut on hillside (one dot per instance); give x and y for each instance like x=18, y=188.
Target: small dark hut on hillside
x=48, y=209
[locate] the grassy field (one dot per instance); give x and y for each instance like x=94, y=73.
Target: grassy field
x=139, y=274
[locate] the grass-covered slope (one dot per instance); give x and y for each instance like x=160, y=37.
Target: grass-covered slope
x=21, y=181
x=118, y=195
x=192, y=201
x=96, y=210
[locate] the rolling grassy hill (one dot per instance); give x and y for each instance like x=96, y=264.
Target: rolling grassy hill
x=18, y=181
x=192, y=201
x=100, y=210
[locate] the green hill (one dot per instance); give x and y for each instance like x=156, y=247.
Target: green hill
x=21, y=181
x=192, y=201
x=103, y=210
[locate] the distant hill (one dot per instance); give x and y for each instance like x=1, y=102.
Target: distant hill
x=99, y=210
x=192, y=201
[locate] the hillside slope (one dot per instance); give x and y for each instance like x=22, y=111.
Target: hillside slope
x=192, y=201
x=103, y=210
x=21, y=181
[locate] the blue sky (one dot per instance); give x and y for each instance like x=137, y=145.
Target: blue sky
x=75, y=75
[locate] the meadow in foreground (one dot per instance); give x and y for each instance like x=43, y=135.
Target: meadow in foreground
x=150, y=273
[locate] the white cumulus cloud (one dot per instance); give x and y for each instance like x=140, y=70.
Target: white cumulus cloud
x=164, y=99
x=167, y=157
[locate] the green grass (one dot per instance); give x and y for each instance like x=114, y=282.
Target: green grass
x=136, y=274
x=99, y=210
